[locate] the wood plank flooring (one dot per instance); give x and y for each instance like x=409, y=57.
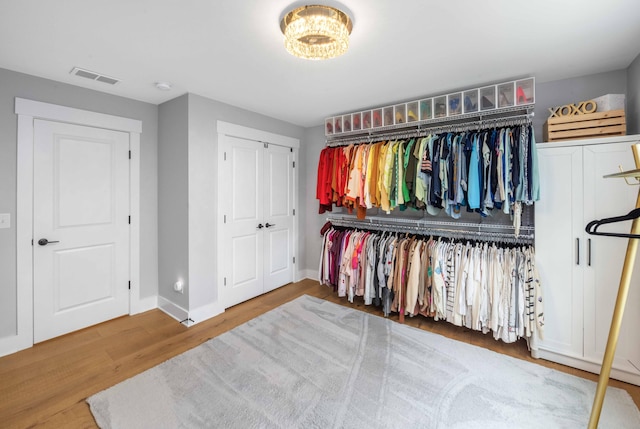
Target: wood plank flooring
x=45, y=386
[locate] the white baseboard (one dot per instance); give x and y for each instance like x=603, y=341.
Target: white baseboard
x=203, y=313
x=172, y=309
x=144, y=304
x=189, y=318
x=307, y=274
x=14, y=343
x=587, y=365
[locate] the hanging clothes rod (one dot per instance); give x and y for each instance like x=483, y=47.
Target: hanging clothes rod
x=472, y=231
x=421, y=129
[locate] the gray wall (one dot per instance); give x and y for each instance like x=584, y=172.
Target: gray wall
x=203, y=114
x=314, y=142
x=173, y=202
x=13, y=85
x=633, y=97
x=574, y=90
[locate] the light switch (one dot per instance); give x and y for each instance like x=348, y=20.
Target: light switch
x=5, y=220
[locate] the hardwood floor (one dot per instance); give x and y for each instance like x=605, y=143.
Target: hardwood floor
x=45, y=386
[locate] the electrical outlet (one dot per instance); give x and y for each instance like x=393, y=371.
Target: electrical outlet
x=178, y=287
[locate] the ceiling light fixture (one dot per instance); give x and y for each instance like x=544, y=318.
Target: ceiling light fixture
x=316, y=32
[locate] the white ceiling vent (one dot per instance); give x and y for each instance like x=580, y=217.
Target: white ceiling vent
x=94, y=76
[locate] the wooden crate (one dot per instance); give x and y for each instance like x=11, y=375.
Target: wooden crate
x=599, y=124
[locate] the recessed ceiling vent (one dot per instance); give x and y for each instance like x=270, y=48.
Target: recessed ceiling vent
x=94, y=76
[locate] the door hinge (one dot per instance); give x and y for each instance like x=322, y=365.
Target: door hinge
x=129, y=154
x=294, y=259
x=129, y=220
x=32, y=241
x=266, y=145
x=290, y=149
x=224, y=219
x=129, y=284
x=225, y=281
x=294, y=164
x=225, y=156
x=294, y=212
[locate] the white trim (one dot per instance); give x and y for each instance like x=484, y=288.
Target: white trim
x=135, y=304
x=587, y=365
x=247, y=133
x=172, y=309
x=27, y=111
x=24, y=274
x=591, y=141
x=307, y=274
x=53, y=112
x=205, y=312
x=144, y=304
x=296, y=217
x=221, y=234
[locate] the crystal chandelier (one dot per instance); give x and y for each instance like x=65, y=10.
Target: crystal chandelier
x=316, y=32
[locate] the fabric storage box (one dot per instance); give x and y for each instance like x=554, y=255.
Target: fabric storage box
x=599, y=124
x=608, y=102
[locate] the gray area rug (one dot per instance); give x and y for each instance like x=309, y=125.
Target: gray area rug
x=314, y=364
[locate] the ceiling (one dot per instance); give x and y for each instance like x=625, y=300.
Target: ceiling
x=232, y=51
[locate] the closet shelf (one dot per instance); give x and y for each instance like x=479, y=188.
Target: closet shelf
x=471, y=121
x=462, y=230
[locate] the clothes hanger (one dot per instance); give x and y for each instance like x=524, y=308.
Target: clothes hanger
x=592, y=226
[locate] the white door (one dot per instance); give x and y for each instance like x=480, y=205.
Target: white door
x=559, y=238
x=607, y=198
x=278, y=216
x=80, y=227
x=258, y=226
x=243, y=222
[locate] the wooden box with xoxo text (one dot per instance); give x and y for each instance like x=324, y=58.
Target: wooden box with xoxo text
x=589, y=125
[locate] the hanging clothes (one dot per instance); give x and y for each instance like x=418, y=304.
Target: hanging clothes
x=486, y=287
x=482, y=171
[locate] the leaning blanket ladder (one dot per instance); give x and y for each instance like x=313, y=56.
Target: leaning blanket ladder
x=623, y=289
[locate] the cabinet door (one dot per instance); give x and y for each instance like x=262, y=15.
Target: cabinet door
x=607, y=198
x=559, y=238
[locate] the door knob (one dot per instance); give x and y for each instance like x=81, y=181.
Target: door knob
x=260, y=226
x=270, y=224
x=44, y=242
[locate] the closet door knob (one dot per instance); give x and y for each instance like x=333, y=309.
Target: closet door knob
x=268, y=225
x=260, y=226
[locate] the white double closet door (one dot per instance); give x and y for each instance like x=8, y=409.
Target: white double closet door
x=258, y=226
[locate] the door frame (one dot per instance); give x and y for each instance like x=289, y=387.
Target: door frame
x=28, y=111
x=260, y=137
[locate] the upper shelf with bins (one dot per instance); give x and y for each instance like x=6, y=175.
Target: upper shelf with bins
x=473, y=102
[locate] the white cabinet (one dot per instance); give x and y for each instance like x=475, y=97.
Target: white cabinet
x=580, y=273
